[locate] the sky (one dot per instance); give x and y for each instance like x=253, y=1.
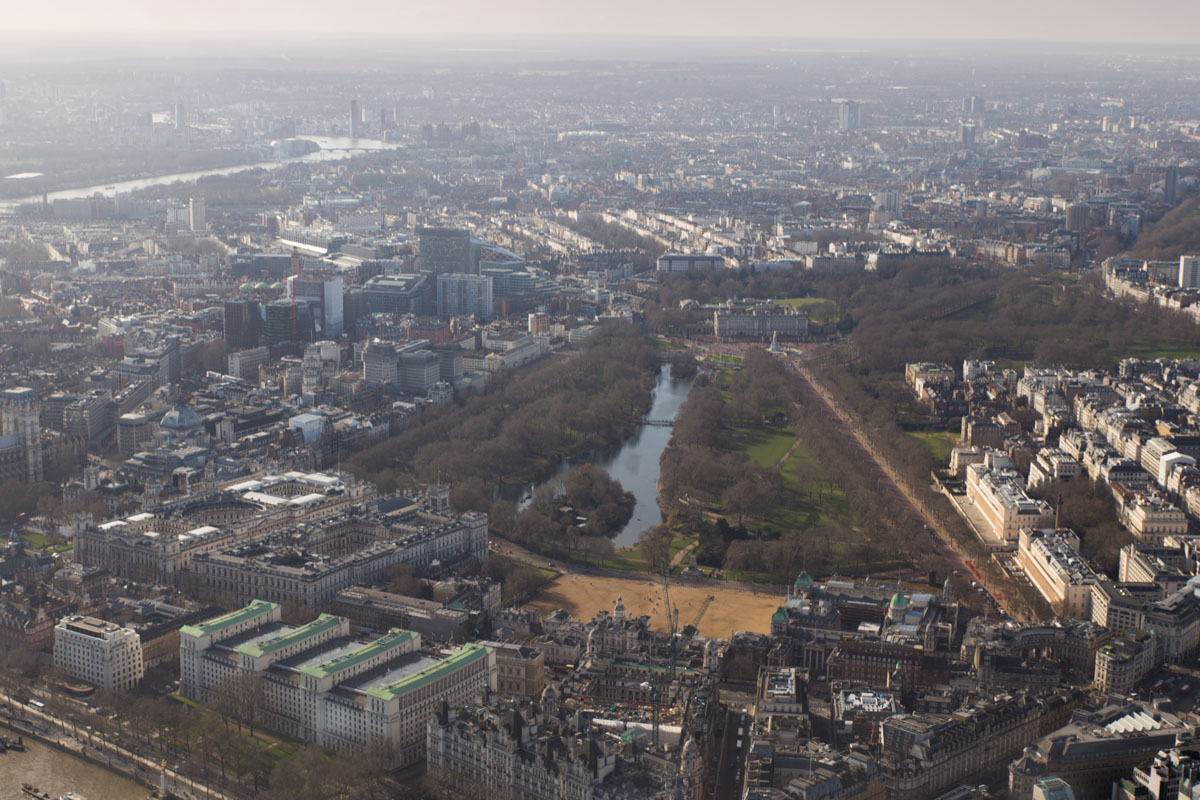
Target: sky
x=1146, y=21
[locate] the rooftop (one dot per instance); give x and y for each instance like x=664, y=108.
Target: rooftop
x=321, y=624
x=389, y=641
x=251, y=611
x=467, y=654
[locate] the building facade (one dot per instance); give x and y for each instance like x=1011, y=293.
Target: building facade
x=100, y=653
x=461, y=295
x=317, y=683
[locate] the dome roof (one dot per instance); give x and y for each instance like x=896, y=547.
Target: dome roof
x=245, y=287
x=899, y=600
x=181, y=418
x=262, y=285
x=278, y=285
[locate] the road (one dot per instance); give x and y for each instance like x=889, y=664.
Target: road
x=510, y=549
x=856, y=437
x=93, y=744
x=731, y=761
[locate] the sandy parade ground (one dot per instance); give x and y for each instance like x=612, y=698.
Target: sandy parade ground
x=731, y=610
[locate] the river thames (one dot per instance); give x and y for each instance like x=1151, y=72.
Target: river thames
x=55, y=772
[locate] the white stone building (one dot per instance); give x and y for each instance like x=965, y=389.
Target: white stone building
x=97, y=652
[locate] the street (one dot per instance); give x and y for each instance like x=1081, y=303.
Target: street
x=85, y=741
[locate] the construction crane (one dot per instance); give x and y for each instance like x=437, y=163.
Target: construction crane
x=672, y=616
x=656, y=689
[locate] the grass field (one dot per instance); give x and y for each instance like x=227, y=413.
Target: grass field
x=764, y=446
x=801, y=302
x=732, y=610
x=821, y=309
x=33, y=539
x=1152, y=350
x=938, y=443
x=722, y=359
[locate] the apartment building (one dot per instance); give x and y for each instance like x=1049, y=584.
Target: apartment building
x=1052, y=561
x=1151, y=518
x=97, y=652
x=995, y=488
x=1123, y=608
x=1122, y=663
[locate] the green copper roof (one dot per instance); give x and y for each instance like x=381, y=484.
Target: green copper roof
x=320, y=625
x=390, y=640
x=227, y=620
x=779, y=616
x=803, y=579
x=467, y=654
x=899, y=600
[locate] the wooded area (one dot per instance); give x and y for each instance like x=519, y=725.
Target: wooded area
x=527, y=422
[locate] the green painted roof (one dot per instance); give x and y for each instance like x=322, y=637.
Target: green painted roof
x=318, y=626
x=232, y=618
x=468, y=654
x=390, y=640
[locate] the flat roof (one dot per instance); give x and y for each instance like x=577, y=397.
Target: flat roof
x=320, y=625
x=268, y=499
x=227, y=620
x=467, y=654
x=259, y=633
x=389, y=641
x=410, y=665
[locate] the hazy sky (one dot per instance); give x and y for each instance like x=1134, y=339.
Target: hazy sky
x=1175, y=21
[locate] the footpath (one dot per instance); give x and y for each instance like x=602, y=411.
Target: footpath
x=93, y=746
x=1009, y=596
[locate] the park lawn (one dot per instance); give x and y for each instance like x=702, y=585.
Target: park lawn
x=810, y=304
x=938, y=443
x=1152, y=349
x=186, y=701
x=633, y=560
x=801, y=302
x=762, y=445
x=278, y=745
x=626, y=558
x=830, y=500
x=34, y=539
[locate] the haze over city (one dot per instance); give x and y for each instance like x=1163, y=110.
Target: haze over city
x=634, y=401
x=1109, y=21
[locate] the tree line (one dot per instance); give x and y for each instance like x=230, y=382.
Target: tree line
x=527, y=422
